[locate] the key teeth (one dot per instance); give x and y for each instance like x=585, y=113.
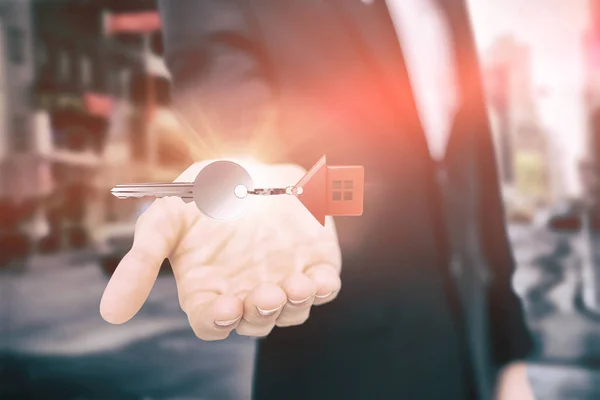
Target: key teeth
x=161, y=190
x=119, y=195
x=128, y=196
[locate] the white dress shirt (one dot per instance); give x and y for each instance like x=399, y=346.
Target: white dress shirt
x=428, y=50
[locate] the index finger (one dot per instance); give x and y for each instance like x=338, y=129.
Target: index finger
x=156, y=234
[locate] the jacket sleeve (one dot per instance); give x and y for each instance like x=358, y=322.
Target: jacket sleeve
x=511, y=339
x=510, y=336
x=222, y=86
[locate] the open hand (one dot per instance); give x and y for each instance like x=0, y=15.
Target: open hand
x=265, y=269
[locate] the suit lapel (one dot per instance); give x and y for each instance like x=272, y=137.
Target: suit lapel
x=469, y=157
x=470, y=146
x=470, y=161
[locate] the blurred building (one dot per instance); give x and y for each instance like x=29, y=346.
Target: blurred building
x=24, y=174
x=145, y=140
x=75, y=87
x=522, y=145
x=104, y=84
x=591, y=50
x=84, y=104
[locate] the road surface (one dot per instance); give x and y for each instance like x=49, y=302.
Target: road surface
x=56, y=346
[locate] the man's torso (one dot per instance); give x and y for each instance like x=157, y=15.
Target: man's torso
x=343, y=89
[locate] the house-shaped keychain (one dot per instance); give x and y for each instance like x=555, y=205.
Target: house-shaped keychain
x=332, y=190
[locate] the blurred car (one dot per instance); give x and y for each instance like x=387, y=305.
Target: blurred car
x=581, y=223
x=112, y=241
x=562, y=217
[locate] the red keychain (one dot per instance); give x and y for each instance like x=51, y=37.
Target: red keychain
x=332, y=190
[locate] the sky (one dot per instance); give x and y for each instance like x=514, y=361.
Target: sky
x=553, y=29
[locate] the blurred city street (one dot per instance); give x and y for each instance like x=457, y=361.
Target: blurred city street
x=567, y=364
x=86, y=104
x=55, y=344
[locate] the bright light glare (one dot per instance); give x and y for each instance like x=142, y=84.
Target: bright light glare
x=240, y=191
x=256, y=168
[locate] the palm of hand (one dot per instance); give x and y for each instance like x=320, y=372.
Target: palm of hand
x=264, y=269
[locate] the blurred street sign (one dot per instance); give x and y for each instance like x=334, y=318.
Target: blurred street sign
x=135, y=22
x=98, y=105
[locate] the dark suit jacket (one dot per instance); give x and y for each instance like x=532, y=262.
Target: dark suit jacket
x=334, y=75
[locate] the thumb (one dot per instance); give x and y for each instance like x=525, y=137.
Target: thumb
x=157, y=232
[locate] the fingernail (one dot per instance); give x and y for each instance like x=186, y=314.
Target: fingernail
x=267, y=313
x=324, y=295
x=298, y=302
x=227, y=323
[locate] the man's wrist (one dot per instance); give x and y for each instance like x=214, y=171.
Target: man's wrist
x=513, y=383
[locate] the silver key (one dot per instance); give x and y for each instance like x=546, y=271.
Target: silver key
x=220, y=190
x=158, y=190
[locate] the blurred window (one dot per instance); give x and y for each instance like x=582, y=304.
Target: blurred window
x=41, y=55
x=133, y=42
x=99, y=69
x=98, y=130
x=113, y=79
x=20, y=134
x=64, y=65
x=16, y=45
x=86, y=71
x=46, y=58
x=124, y=82
x=156, y=43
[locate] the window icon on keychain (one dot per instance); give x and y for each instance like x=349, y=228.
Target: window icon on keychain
x=221, y=188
